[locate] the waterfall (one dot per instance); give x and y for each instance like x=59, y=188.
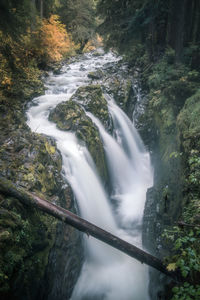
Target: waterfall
x=106, y=273
x=130, y=172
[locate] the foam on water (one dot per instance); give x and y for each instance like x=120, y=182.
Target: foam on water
x=106, y=272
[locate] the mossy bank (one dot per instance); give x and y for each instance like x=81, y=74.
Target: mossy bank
x=40, y=257
x=170, y=128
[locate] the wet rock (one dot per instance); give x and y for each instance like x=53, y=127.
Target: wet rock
x=27, y=236
x=173, y=123
x=71, y=116
x=120, y=89
x=39, y=256
x=82, y=68
x=96, y=75
x=91, y=98
x=61, y=274
x=117, y=81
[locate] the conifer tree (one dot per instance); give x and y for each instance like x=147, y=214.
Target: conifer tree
x=157, y=24
x=15, y=16
x=79, y=17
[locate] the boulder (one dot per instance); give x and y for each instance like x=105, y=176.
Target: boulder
x=71, y=116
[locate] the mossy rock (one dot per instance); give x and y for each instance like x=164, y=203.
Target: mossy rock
x=25, y=241
x=96, y=75
x=34, y=247
x=92, y=99
x=30, y=159
x=27, y=236
x=120, y=89
x=26, y=233
x=71, y=116
x=68, y=116
x=189, y=122
x=118, y=82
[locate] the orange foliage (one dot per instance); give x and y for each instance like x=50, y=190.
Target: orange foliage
x=19, y=59
x=55, y=41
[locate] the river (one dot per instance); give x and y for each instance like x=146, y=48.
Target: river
x=107, y=274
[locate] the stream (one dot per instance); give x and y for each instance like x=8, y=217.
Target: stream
x=107, y=274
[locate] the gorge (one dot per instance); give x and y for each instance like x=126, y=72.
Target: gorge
x=111, y=135
x=106, y=273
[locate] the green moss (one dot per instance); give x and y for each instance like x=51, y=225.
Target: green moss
x=50, y=149
x=189, y=122
x=96, y=75
x=92, y=99
x=30, y=161
x=68, y=116
x=173, y=111
x=25, y=245
x=71, y=116
x=26, y=235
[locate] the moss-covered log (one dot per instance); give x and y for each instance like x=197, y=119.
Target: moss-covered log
x=7, y=188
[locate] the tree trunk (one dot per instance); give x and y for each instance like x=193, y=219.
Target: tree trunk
x=41, y=9
x=195, y=18
x=33, y=15
x=176, y=25
x=27, y=198
x=180, y=30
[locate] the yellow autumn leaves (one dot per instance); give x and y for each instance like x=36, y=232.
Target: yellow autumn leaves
x=48, y=42
x=171, y=267
x=55, y=41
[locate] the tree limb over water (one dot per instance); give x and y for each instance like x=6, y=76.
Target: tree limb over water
x=30, y=199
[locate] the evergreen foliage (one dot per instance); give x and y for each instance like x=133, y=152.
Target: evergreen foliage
x=32, y=36
x=79, y=18
x=15, y=16
x=156, y=24
x=162, y=38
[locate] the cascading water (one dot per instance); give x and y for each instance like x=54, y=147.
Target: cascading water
x=106, y=273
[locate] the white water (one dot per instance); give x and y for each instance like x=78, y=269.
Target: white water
x=106, y=273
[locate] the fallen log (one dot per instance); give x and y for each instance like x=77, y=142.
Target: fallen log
x=30, y=199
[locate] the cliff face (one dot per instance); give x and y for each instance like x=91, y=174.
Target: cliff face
x=39, y=257
x=170, y=128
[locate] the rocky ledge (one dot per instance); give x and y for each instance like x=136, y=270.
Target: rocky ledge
x=40, y=258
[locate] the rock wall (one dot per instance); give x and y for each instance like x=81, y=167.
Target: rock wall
x=169, y=126
x=40, y=258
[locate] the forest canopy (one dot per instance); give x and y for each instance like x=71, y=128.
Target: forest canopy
x=152, y=24
x=160, y=40
x=35, y=33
